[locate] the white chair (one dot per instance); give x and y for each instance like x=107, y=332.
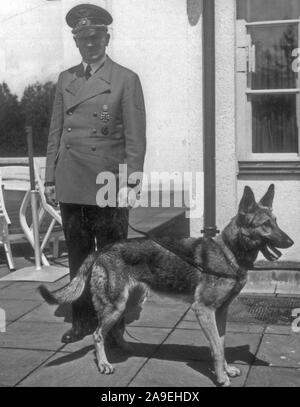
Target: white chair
x=16, y=178
x=4, y=232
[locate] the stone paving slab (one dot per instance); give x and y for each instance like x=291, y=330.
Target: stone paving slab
x=151, y=315
x=4, y=284
x=273, y=377
x=24, y=290
x=143, y=345
x=75, y=364
x=280, y=350
x=49, y=314
x=279, y=330
x=17, y=363
x=16, y=308
x=157, y=316
x=20, y=262
x=160, y=373
x=185, y=344
x=231, y=327
x=28, y=290
x=33, y=335
x=79, y=370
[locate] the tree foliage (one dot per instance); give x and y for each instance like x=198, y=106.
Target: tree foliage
x=11, y=123
x=33, y=109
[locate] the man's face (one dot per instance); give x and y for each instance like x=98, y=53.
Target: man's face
x=92, y=48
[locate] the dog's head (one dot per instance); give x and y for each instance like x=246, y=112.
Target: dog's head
x=258, y=224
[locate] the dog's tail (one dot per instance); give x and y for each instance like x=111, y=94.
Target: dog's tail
x=72, y=291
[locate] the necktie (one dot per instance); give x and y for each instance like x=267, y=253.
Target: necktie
x=88, y=71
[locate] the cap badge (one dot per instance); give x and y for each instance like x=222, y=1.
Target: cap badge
x=83, y=21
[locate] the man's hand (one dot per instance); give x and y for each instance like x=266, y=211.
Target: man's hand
x=126, y=197
x=50, y=195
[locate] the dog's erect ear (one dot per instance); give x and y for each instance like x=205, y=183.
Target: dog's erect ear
x=267, y=199
x=247, y=203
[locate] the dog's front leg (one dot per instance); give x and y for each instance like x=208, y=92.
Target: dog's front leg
x=207, y=320
x=103, y=364
x=221, y=319
x=107, y=317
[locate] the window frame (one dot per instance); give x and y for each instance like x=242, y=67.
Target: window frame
x=245, y=60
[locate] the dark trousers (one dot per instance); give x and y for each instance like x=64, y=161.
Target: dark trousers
x=87, y=228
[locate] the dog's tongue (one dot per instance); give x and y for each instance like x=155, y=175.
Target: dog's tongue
x=271, y=256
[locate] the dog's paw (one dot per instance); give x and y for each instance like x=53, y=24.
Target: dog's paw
x=233, y=371
x=106, y=368
x=224, y=381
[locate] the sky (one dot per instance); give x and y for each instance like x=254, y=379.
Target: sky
x=31, y=46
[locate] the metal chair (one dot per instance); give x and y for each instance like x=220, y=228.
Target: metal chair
x=16, y=178
x=4, y=231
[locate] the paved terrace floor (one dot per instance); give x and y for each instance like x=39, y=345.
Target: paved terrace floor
x=169, y=347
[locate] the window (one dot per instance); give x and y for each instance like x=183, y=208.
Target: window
x=268, y=85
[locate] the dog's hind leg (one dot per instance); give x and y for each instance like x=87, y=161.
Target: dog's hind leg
x=207, y=320
x=221, y=319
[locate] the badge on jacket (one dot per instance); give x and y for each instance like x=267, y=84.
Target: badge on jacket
x=105, y=118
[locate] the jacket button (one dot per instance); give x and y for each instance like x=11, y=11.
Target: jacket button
x=105, y=130
x=95, y=114
x=93, y=148
x=94, y=131
x=68, y=146
x=69, y=129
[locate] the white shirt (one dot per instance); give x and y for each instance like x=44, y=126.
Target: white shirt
x=94, y=66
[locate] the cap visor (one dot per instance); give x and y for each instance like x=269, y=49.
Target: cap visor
x=87, y=32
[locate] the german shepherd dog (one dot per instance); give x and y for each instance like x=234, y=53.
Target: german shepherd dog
x=120, y=275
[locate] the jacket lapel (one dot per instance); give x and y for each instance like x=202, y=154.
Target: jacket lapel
x=81, y=90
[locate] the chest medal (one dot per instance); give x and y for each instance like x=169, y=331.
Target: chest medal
x=105, y=118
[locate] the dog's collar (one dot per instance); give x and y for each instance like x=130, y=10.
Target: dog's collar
x=230, y=257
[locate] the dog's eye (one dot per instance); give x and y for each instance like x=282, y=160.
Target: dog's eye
x=267, y=223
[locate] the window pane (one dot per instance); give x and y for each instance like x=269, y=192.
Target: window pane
x=261, y=10
x=273, y=55
x=274, y=124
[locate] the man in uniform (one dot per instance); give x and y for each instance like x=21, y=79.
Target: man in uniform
x=98, y=122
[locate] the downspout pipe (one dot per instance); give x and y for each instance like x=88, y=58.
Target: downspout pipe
x=209, y=119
